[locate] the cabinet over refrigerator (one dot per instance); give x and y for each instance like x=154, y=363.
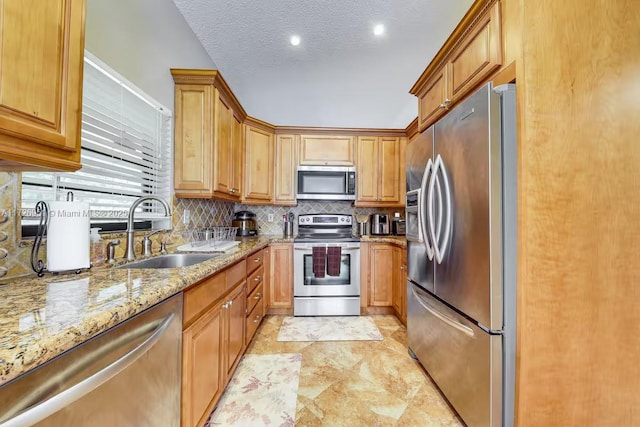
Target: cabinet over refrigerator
x=461, y=232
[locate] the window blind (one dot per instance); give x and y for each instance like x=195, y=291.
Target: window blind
x=126, y=152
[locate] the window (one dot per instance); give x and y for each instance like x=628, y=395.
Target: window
x=126, y=153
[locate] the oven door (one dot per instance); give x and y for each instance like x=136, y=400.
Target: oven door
x=306, y=284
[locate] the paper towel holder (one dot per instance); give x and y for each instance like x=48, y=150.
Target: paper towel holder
x=36, y=263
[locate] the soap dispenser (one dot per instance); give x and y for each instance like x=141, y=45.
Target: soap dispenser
x=98, y=248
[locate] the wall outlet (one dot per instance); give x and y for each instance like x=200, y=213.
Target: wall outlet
x=269, y=217
x=186, y=217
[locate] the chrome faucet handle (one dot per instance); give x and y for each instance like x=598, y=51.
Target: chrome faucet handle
x=111, y=250
x=163, y=247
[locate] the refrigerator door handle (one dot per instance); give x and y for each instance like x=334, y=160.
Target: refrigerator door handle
x=422, y=214
x=440, y=215
x=432, y=232
x=439, y=252
x=448, y=228
x=446, y=319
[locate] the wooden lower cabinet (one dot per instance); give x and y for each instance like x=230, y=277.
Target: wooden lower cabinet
x=384, y=279
x=203, y=351
x=281, y=278
x=400, y=284
x=381, y=277
x=235, y=317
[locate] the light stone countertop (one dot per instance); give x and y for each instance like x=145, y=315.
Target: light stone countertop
x=41, y=318
x=395, y=240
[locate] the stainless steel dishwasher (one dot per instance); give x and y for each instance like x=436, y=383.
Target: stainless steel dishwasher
x=127, y=376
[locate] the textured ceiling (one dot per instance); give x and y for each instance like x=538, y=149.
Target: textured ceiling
x=340, y=75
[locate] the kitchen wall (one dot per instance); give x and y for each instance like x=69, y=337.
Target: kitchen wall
x=141, y=40
x=306, y=207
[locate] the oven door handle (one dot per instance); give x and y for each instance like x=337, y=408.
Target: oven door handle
x=344, y=248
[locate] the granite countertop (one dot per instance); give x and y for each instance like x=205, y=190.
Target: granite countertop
x=42, y=317
x=396, y=240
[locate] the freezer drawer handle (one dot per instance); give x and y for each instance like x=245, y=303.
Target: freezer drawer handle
x=42, y=410
x=462, y=328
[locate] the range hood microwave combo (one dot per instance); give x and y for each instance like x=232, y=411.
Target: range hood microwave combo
x=326, y=183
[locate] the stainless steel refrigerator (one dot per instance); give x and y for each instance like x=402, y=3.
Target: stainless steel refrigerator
x=461, y=232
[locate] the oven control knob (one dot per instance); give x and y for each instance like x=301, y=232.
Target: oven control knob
x=342, y=219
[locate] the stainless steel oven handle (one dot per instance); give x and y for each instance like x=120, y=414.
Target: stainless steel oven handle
x=462, y=328
x=42, y=410
x=344, y=248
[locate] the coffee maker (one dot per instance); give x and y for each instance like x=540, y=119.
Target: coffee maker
x=379, y=224
x=246, y=223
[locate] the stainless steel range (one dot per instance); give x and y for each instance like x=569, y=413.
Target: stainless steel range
x=326, y=267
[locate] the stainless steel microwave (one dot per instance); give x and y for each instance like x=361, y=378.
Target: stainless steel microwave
x=326, y=183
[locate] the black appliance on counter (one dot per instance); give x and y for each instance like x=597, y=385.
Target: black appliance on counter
x=246, y=223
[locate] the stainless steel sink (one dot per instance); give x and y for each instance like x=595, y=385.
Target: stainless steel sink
x=170, y=261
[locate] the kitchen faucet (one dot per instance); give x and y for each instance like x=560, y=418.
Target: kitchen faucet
x=130, y=253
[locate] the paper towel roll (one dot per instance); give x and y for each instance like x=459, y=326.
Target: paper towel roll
x=68, y=236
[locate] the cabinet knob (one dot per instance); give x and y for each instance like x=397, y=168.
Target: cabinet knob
x=257, y=278
x=231, y=190
x=442, y=106
x=257, y=319
x=258, y=296
x=447, y=101
x=230, y=303
x=256, y=260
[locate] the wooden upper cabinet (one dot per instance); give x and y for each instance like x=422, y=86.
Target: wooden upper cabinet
x=469, y=58
x=193, y=137
x=258, y=149
x=479, y=54
x=237, y=147
x=208, y=136
x=286, y=160
x=222, y=148
x=327, y=150
x=367, y=173
x=41, y=65
x=434, y=98
x=380, y=173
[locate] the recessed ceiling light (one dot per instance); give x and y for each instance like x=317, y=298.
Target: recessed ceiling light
x=294, y=40
x=378, y=30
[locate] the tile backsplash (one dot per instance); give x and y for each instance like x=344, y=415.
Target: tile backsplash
x=306, y=207
x=203, y=213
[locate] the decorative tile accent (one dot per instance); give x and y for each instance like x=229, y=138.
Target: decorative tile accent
x=306, y=207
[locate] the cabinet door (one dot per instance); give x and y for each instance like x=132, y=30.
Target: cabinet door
x=389, y=167
x=367, y=168
x=258, y=148
x=235, y=327
x=202, y=372
x=266, y=280
x=237, y=142
x=381, y=261
x=326, y=150
x=193, y=139
x=281, y=280
x=400, y=284
x=434, y=98
x=223, y=164
x=286, y=159
x=41, y=64
x=479, y=54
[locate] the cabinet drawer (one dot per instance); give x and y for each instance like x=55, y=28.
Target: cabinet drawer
x=255, y=279
x=254, y=297
x=236, y=274
x=253, y=320
x=254, y=261
x=201, y=296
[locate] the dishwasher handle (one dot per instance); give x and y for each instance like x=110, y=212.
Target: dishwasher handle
x=48, y=407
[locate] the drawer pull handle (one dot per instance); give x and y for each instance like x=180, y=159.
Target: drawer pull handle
x=257, y=260
x=258, y=296
x=257, y=319
x=257, y=278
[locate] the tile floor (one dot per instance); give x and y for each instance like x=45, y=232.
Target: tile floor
x=359, y=383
